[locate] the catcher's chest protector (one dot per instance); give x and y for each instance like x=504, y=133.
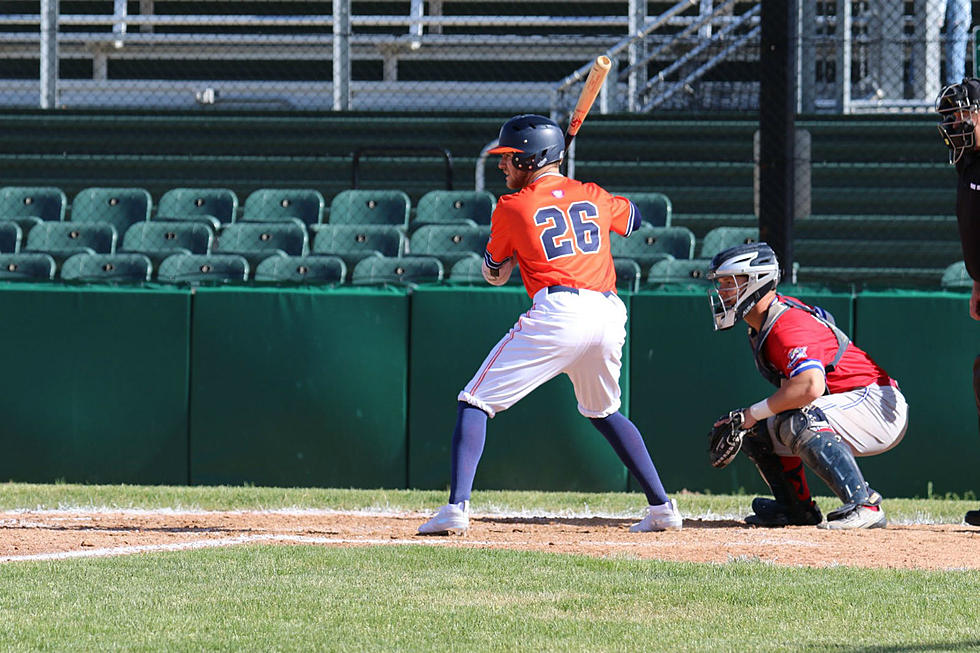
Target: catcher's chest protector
x=776, y=310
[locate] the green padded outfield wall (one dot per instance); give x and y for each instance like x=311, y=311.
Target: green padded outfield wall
x=927, y=341
x=685, y=375
x=299, y=387
x=542, y=443
x=95, y=384
x=98, y=387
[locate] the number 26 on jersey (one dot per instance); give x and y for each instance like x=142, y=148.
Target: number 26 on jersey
x=581, y=219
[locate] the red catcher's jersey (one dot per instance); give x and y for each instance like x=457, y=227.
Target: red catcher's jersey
x=798, y=341
x=558, y=230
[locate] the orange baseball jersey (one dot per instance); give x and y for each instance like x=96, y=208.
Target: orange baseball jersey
x=558, y=230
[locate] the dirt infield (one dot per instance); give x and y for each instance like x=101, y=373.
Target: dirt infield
x=41, y=535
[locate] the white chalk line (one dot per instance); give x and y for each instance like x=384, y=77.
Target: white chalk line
x=276, y=537
x=308, y=539
x=198, y=544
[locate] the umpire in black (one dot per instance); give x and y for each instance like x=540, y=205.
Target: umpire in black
x=959, y=110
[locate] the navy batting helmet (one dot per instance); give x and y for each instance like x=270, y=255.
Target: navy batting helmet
x=535, y=141
x=954, y=105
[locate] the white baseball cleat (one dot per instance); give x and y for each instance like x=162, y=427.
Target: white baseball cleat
x=449, y=518
x=664, y=517
x=850, y=517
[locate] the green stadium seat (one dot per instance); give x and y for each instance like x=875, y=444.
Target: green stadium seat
x=452, y=206
x=354, y=242
x=464, y=222
x=107, y=267
x=628, y=274
x=27, y=266
x=690, y=272
x=120, y=207
x=41, y=202
x=62, y=239
x=305, y=205
x=159, y=236
x=11, y=236
x=209, y=221
x=648, y=244
x=362, y=206
x=213, y=206
x=702, y=223
x=404, y=270
x=448, y=242
x=25, y=224
x=302, y=269
x=469, y=270
x=258, y=240
x=655, y=208
x=203, y=268
x=955, y=277
x=721, y=238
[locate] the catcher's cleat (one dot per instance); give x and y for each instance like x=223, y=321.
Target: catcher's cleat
x=664, y=517
x=452, y=517
x=972, y=517
x=857, y=515
x=772, y=514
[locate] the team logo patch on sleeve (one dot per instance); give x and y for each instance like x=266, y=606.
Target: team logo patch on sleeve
x=796, y=354
x=559, y=193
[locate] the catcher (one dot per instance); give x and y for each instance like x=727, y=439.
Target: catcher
x=832, y=401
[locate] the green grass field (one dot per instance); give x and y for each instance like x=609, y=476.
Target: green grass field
x=417, y=598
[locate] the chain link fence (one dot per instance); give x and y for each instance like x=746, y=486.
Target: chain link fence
x=245, y=95
x=464, y=55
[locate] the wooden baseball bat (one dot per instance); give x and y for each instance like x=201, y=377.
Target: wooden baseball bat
x=597, y=75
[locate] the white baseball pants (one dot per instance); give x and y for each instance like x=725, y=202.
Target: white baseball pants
x=870, y=420
x=581, y=334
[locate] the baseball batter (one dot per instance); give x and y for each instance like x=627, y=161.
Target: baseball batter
x=832, y=402
x=557, y=230
x=959, y=110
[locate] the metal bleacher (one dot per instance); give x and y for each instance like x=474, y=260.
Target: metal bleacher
x=422, y=53
x=438, y=41
x=172, y=34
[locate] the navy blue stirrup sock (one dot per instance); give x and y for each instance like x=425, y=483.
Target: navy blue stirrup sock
x=625, y=438
x=468, y=440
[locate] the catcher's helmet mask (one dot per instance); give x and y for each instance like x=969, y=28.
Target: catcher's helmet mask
x=757, y=264
x=955, y=105
x=534, y=141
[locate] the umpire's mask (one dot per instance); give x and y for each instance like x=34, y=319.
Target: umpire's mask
x=955, y=105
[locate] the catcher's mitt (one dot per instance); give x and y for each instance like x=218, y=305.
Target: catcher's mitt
x=725, y=440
